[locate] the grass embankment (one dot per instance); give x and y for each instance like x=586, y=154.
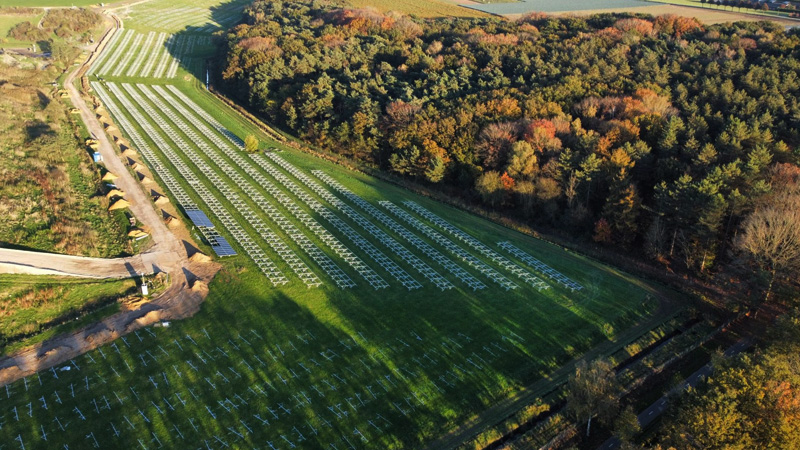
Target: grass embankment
x=50, y=190
x=36, y=308
x=9, y=19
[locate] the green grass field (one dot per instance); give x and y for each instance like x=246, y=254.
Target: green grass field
x=290, y=366
x=419, y=8
x=8, y=21
x=698, y=4
x=48, y=3
x=41, y=307
x=182, y=15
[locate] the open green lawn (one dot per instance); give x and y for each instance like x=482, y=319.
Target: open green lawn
x=8, y=21
x=48, y=3
x=182, y=15
x=33, y=309
x=290, y=366
x=419, y=8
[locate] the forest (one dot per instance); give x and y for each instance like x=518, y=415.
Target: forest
x=659, y=134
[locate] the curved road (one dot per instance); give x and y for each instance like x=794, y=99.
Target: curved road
x=168, y=254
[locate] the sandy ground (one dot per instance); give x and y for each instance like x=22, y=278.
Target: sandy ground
x=706, y=15
x=37, y=263
x=169, y=254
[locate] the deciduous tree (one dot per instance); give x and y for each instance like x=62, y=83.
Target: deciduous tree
x=593, y=391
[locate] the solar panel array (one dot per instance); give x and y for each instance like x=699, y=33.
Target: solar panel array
x=482, y=248
x=155, y=55
x=372, y=277
x=540, y=266
x=451, y=247
x=219, y=245
x=409, y=236
x=223, y=185
x=259, y=187
x=245, y=241
x=408, y=257
x=215, y=155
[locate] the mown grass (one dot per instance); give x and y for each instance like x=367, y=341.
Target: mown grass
x=698, y=4
x=419, y=8
x=167, y=15
x=294, y=367
x=551, y=328
x=34, y=308
x=8, y=21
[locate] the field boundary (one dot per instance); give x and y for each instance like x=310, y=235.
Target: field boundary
x=765, y=17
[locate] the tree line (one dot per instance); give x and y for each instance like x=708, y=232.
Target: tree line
x=647, y=133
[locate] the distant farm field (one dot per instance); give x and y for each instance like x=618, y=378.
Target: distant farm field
x=182, y=15
x=419, y=8
x=47, y=3
x=526, y=6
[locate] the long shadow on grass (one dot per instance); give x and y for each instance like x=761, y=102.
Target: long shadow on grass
x=195, y=47
x=466, y=350
x=254, y=367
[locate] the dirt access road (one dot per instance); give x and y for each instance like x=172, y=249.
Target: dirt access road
x=189, y=277
x=38, y=263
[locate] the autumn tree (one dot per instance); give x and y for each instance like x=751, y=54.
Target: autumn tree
x=251, y=143
x=522, y=162
x=593, y=391
x=491, y=189
x=751, y=402
x=771, y=235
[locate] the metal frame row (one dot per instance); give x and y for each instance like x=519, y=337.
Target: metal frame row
x=482, y=248
x=298, y=266
x=264, y=263
x=218, y=243
x=216, y=156
x=451, y=247
x=406, y=255
x=540, y=266
x=369, y=274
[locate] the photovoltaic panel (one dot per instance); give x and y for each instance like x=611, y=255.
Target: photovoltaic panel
x=199, y=218
x=222, y=247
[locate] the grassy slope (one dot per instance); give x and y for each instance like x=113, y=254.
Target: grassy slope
x=29, y=304
x=47, y=3
x=7, y=21
x=49, y=191
x=389, y=350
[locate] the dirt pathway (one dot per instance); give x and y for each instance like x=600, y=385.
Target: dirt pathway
x=189, y=279
x=38, y=263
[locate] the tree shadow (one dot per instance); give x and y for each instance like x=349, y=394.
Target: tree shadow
x=195, y=47
x=37, y=129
